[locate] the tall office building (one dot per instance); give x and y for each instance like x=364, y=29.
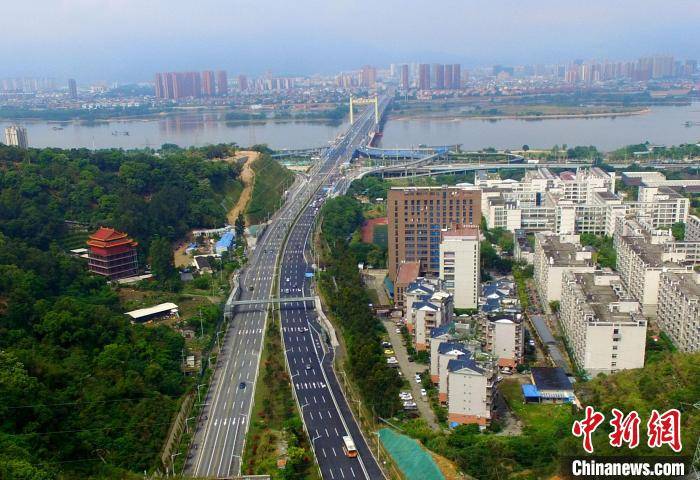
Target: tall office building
x=221, y=83
x=368, y=76
x=242, y=82
x=208, y=83
x=72, y=88
x=417, y=217
x=457, y=76
x=404, y=77
x=424, y=76
x=16, y=136
x=439, y=76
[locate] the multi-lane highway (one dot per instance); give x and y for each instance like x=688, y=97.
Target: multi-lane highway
x=325, y=411
x=220, y=433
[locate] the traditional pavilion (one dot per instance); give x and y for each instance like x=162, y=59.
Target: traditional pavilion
x=112, y=254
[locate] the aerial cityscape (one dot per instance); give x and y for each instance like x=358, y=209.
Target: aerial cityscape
x=270, y=240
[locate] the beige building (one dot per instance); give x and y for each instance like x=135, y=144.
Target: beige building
x=16, y=136
x=678, y=313
x=602, y=323
x=503, y=338
x=446, y=351
x=471, y=388
x=427, y=307
x=641, y=258
x=692, y=229
x=416, y=218
x=662, y=205
x=459, y=265
x=554, y=255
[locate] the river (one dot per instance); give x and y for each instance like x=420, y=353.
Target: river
x=185, y=130
x=662, y=125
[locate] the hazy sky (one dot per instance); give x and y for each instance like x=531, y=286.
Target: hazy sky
x=128, y=40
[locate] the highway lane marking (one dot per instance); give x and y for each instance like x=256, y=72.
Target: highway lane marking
x=353, y=472
x=335, y=454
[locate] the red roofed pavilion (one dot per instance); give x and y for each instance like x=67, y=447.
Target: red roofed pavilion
x=112, y=254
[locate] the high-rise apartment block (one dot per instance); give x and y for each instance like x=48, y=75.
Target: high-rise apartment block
x=456, y=76
x=368, y=76
x=221, y=83
x=417, y=217
x=242, y=83
x=177, y=85
x=208, y=83
x=16, y=136
x=438, y=76
x=678, y=313
x=72, y=89
x=602, y=323
x=405, y=83
x=424, y=76
x=459, y=265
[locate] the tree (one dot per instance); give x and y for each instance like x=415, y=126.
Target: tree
x=160, y=256
x=240, y=225
x=678, y=231
x=526, y=148
x=554, y=306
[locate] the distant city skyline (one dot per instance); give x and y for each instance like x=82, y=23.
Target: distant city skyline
x=128, y=40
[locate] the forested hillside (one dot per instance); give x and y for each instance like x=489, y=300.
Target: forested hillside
x=83, y=393
x=137, y=192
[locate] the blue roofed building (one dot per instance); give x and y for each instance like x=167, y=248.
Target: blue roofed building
x=549, y=385
x=225, y=243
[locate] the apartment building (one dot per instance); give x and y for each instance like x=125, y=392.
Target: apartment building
x=427, y=307
x=554, y=255
x=642, y=256
x=471, y=388
x=602, y=323
x=662, y=205
x=678, y=313
x=443, y=334
x=503, y=338
x=692, y=229
x=459, y=265
x=447, y=351
x=417, y=217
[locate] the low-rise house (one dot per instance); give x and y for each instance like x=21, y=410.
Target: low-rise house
x=162, y=310
x=549, y=385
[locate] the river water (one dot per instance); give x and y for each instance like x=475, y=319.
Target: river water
x=662, y=125
x=182, y=129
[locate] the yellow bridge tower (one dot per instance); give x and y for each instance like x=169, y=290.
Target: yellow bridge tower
x=364, y=101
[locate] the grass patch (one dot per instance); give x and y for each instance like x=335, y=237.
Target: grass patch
x=231, y=194
x=271, y=181
x=542, y=417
